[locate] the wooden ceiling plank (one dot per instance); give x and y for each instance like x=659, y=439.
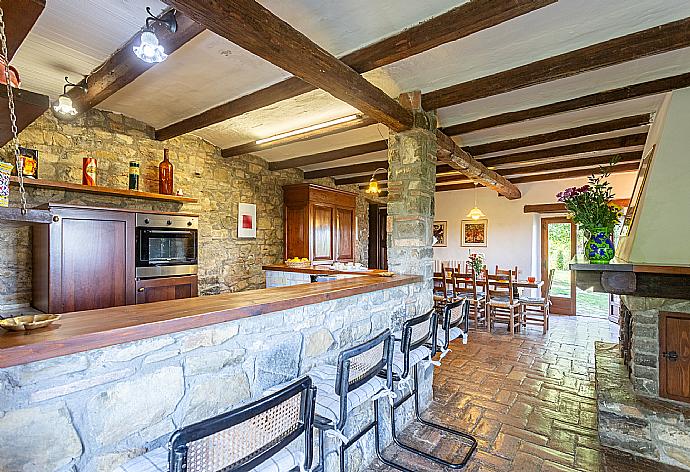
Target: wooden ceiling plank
x=19, y=17
x=124, y=66
x=255, y=29
x=629, y=92
x=560, y=135
x=569, y=149
x=345, y=170
x=329, y=156
x=457, y=23
x=652, y=41
x=319, y=133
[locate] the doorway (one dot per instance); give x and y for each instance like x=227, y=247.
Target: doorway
x=558, y=243
x=378, y=244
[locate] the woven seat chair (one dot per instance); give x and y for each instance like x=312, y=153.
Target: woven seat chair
x=502, y=304
x=536, y=310
x=272, y=434
x=410, y=351
x=465, y=286
x=454, y=323
x=353, y=382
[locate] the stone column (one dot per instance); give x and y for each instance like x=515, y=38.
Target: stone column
x=411, y=184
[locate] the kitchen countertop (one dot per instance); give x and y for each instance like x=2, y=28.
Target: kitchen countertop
x=321, y=270
x=94, y=329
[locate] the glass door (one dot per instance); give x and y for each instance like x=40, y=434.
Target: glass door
x=558, y=243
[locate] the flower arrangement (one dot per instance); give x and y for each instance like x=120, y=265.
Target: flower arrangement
x=591, y=207
x=477, y=262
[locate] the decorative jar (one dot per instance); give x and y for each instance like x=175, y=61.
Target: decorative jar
x=599, y=247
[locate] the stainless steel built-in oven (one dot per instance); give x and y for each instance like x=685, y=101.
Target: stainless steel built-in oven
x=166, y=245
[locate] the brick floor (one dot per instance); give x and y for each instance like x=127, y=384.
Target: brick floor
x=529, y=399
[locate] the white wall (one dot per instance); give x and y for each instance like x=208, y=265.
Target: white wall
x=513, y=236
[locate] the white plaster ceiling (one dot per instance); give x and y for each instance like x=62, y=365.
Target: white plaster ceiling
x=72, y=37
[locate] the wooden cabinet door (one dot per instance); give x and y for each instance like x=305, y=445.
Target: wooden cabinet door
x=296, y=232
x=166, y=288
x=321, y=233
x=344, y=234
x=95, y=254
x=674, y=356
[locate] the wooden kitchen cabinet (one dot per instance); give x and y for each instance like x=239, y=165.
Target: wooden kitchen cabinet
x=319, y=223
x=83, y=260
x=166, y=288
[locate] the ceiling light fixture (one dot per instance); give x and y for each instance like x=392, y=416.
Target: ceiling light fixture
x=325, y=124
x=149, y=49
x=475, y=213
x=63, y=106
x=373, y=184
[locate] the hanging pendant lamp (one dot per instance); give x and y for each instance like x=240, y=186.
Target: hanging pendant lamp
x=475, y=213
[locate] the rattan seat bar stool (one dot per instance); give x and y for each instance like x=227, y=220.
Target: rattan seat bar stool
x=353, y=382
x=271, y=434
x=454, y=323
x=410, y=351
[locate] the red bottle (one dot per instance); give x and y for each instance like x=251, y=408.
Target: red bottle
x=165, y=175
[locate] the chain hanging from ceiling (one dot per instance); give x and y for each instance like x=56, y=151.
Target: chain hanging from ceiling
x=13, y=117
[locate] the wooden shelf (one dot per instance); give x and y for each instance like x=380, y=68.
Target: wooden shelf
x=14, y=217
x=29, y=107
x=116, y=192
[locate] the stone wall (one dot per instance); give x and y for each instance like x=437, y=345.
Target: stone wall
x=226, y=263
x=91, y=411
x=645, y=339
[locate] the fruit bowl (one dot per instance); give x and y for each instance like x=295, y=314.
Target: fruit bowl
x=27, y=322
x=298, y=263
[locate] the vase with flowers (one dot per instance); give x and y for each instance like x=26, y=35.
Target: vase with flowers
x=477, y=262
x=591, y=207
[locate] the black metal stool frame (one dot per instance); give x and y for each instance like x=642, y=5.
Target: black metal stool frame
x=179, y=440
x=407, y=345
x=342, y=387
x=447, y=323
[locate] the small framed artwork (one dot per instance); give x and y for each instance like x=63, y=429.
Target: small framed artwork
x=474, y=233
x=637, y=191
x=440, y=231
x=246, y=220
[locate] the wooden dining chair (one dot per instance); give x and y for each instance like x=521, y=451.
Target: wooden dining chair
x=501, y=302
x=507, y=273
x=536, y=310
x=465, y=286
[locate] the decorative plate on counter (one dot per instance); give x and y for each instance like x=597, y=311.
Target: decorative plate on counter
x=27, y=322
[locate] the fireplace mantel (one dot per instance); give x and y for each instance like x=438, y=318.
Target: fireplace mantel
x=641, y=280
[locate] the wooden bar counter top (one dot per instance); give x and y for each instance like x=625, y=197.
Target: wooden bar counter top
x=94, y=329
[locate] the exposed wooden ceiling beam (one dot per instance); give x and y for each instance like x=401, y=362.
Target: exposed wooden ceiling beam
x=627, y=167
x=457, y=23
x=123, y=66
x=453, y=155
x=29, y=107
x=607, y=144
x=556, y=165
x=254, y=28
x=643, y=89
x=656, y=40
x=319, y=133
x=329, y=156
x=562, y=134
x=560, y=207
x=19, y=17
x=345, y=170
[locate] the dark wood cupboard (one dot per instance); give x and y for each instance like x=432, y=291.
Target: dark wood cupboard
x=319, y=223
x=674, y=356
x=85, y=260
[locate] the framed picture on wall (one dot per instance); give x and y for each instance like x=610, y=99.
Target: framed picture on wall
x=637, y=191
x=474, y=233
x=440, y=234
x=246, y=220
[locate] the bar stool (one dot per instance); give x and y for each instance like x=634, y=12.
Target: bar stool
x=410, y=351
x=454, y=315
x=272, y=434
x=342, y=388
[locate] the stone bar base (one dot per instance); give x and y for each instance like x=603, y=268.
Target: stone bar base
x=94, y=410
x=645, y=427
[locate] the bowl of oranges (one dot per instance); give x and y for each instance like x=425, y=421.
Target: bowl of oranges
x=298, y=263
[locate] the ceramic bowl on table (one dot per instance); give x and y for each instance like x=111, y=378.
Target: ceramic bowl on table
x=27, y=322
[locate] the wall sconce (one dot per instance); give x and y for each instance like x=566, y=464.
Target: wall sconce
x=63, y=106
x=373, y=184
x=149, y=49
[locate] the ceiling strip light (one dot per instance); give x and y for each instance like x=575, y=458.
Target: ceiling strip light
x=325, y=124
